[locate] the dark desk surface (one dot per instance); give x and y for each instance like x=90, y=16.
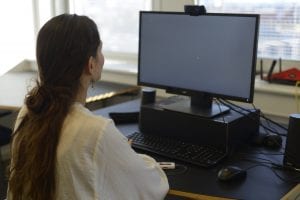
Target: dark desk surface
x=261, y=181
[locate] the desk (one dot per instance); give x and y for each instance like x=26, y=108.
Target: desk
x=15, y=85
x=261, y=182
x=13, y=89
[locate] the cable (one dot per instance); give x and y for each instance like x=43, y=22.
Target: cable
x=263, y=160
x=264, y=153
x=234, y=106
x=261, y=114
x=285, y=168
x=179, y=169
x=277, y=124
x=250, y=146
x=268, y=122
x=273, y=169
x=229, y=104
x=220, y=109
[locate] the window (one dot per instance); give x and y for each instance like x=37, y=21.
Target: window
x=279, y=35
x=17, y=33
x=118, y=23
x=20, y=21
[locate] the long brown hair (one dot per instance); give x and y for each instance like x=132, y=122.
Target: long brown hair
x=64, y=45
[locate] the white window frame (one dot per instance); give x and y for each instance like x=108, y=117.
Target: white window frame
x=56, y=7
x=286, y=63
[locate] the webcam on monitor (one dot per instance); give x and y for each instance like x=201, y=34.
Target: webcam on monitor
x=194, y=10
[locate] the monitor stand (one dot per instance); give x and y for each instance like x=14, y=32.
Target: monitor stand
x=203, y=107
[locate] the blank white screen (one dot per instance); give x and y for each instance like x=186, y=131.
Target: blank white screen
x=206, y=53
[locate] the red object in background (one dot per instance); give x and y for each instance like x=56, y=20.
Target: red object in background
x=290, y=76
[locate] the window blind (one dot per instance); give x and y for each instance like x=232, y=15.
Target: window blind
x=279, y=33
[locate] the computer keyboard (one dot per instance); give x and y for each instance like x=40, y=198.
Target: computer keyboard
x=203, y=156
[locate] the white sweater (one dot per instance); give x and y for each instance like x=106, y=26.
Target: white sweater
x=95, y=161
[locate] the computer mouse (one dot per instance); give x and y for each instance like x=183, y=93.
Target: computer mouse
x=231, y=173
x=272, y=141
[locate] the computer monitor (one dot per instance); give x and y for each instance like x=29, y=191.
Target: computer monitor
x=207, y=56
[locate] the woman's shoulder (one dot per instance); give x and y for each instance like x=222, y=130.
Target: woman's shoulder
x=86, y=117
x=82, y=125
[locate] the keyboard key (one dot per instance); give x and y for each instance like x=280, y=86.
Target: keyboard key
x=200, y=155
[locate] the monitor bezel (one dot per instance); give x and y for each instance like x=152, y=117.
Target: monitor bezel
x=189, y=92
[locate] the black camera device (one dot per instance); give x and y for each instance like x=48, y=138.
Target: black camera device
x=194, y=10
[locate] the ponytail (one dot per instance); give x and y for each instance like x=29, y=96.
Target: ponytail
x=64, y=46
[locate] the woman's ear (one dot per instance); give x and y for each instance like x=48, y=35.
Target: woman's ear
x=90, y=65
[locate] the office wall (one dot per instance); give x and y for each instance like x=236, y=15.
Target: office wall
x=170, y=5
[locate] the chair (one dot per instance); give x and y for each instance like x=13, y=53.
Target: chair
x=5, y=136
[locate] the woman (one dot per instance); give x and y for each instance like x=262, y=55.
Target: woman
x=60, y=149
